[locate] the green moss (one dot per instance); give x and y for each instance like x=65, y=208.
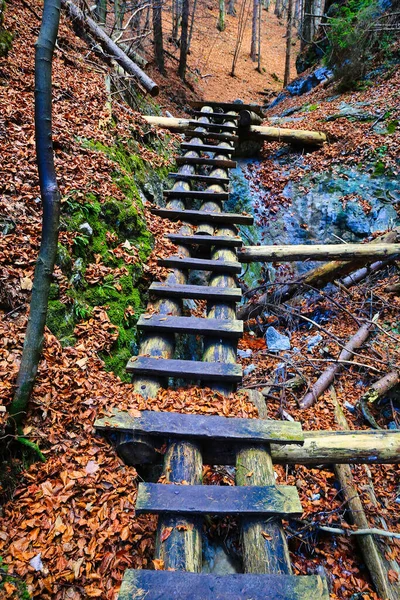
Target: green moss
x=6, y=37
x=59, y=320
x=54, y=291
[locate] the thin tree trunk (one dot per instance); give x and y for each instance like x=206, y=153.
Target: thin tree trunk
x=259, y=38
x=51, y=212
x=184, y=40
x=221, y=17
x=191, y=24
x=253, y=49
x=286, y=77
x=279, y=8
x=231, y=8
x=307, y=24
x=101, y=11
x=158, y=36
x=176, y=15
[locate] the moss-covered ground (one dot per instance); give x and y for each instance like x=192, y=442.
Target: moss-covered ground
x=100, y=226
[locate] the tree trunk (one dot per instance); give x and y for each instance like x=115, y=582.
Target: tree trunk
x=101, y=11
x=221, y=17
x=51, y=211
x=279, y=8
x=259, y=38
x=184, y=40
x=253, y=49
x=158, y=36
x=286, y=77
x=111, y=47
x=307, y=29
x=231, y=8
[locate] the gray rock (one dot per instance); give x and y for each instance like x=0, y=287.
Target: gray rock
x=86, y=229
x=352, y=112
x=249, y=369
x=314, y=341
x=276, y=341
x=244, y=353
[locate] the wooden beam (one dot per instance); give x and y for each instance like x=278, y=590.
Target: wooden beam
x=291, y=136
x=217, y=500
x=227, y=106
x=223, y=328
x=197, y=292
x=201, y=216
x=208, y=148
x=199, y=178
x=185, y=369
x=174, y=585
x=201, y=264
x=320, y=252
x=205, y=240
x=213, y=162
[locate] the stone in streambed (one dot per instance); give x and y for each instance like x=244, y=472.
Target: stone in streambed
x=276, y=341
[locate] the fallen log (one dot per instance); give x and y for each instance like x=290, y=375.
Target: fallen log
x=317, y=278
x=295, y=136
x=345, y=252
x=110, y=47
x=376, y=391
x=327, y=377
x=372, y=555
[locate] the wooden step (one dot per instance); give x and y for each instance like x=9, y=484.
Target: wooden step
x=208, y=148
x=215, y=115
x=199, y=178
x=213, y=162
x=196, y=195
x=208, y=428
x=211, y=135
x=201, y=216
x=197, y=292
x=256, y=108
x=180, y=585
x=185, y=369
x=205, y=240
x=200, y=264
x=263, y=501
x=221, y=328
x=222, y=126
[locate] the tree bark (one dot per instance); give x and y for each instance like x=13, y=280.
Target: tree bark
x=184, y=40
x=286, y=77
x=111, y=47
x=347, y=252
x=51, y=211
x=307, y=29
x=253, y=49
x=327, y=377
x=158, y=35
x=221, y=16
x=231, y=8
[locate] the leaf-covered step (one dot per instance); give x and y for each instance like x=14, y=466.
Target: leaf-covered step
x=181, y=585
x=221, y=328
x=197, y=292
x=200, y=264
x=192, y=500
x=185, y=369
x=209, y=428
x=201, y=216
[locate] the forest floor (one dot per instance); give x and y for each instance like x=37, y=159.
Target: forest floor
x=68, y=528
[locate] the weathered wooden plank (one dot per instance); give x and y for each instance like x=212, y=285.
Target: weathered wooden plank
x=217, y=126
x=227, y=106
x=184, y=369
x=322, y=252
x=203, y=427
x=216, y=266
x=175, y=585
x=203, y=195
x=197, y=292
x=214, y=162
x=205, y=240
x=157, y=498
x=224, y=328
x=201, y=178
x=208, y=148
x=216, y=115
x=201, y=216
x=211, y=135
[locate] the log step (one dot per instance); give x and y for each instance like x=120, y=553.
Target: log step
x=197, y=292
x=159, y=498
x=207, y=428
x=205, y=240
x=201, y=216
x=208, y=148
x=200, y=178
x=180, y=585
x=196, y=195
x=221, y=328
x=222, y=126
x=215, y=115
x=211, y=135
x=185, y=369
x=214, y=162
x=200, y=264
x=227, y=106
